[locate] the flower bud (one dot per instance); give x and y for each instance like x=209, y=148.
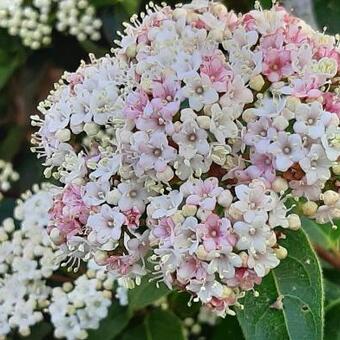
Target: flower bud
x=91, y=129
x=67, y=287
x=189, y=210
x=203, y=122
x=256, y=83
x=178, y=217
x=100, y=257
x=113, y=197
x=281, y=252
x=309, y=208
x=225, y=198
x=63, y=135
x=56, y=237
x=330, y=197
x=279, y=185
x=294, y=221
x=336, y=169
x=166, y=175
x=131, y=50
x=249, y=115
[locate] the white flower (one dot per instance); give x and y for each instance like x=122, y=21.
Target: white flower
x=316, y=165
x=191, y=139
x=107, y=223
x=252, y=234
x=95, y=192
x=311, y=120
x=222, y=123
x=199, y=91
x=164, y=206
x=263, y=262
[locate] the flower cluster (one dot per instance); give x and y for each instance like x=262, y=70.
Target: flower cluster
x=28, y=263
x=32, y=22
x=7, y=175
x=186, y=146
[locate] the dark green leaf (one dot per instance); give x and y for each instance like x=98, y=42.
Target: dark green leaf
x=136, y=333
x=332, y=329
x=332, y=291
x=163, y=325
x=179, y=304
x=145, y=294
x=228, y=328
x=40, y=331
x=112, y=325
x=12, y=143
x=6, y=208
x=298, y=280
x=327, y=14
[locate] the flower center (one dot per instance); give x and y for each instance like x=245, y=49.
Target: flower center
x=192, y=137
x=287, y=150
x=310, y=121
x=252, y=231
x=199, y=90
x=133, y=193
x=157, y=152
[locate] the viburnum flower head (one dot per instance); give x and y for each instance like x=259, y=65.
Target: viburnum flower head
x=183, y=148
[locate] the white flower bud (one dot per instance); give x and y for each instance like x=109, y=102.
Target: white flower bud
x=256, y=83
x=166, y=175
x=330, y=197
x=294, y=221
x=56, y=237
x=113, y=197
x=336, y=169
x=280, y=123
x=178, y=217
x=309, y=208
x=91, y=129
x=131, y=50
x=249, y=115
x=203, y=122
x=63, y=135
x=279, y=185
x=225, y=198
x=67, y=287
x=100, y=257
x=189, y=210
x=281, y=252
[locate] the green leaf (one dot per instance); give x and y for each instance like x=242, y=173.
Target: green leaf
x=40, y=331
x=332, y=292
x=163, y=325
x=12, y=143
x=332, y=329
x=6, y=208
x=228, y=328
x=322, y=234
x=116, y=320
x=137, y=332
x=179, y=304
x=145, y=294
x=327, y=14
x=298, y=280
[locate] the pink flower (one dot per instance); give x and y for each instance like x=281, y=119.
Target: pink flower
x=307, y=87
x=277, y=64
x=135, y=104
x=69, y=213
x=217, y=71
x=165, y=229
x=215, y=233
x=262, y=166
x=331, y=103
x=245, y=279
x=132, y=217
